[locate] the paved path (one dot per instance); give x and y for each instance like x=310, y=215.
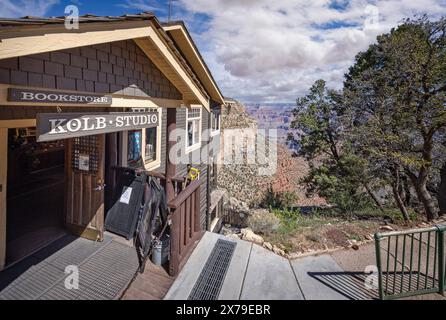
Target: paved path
x=356, y=262
x=257, y=273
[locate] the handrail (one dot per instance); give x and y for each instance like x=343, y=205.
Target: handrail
x=403, y=232
x=155, y=174
x=178, y=179
x=183, y=195
x=422, y=261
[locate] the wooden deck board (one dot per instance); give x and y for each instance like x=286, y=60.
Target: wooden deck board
x=152, y=284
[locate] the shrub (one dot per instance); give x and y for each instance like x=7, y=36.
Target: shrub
x=289, y=219
x=280, y=200
x=263, y=221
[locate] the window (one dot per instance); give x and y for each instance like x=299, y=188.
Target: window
x=151, y=141
x=134, y=148
x=193, y=138
x=141, y=148
x=215, y=123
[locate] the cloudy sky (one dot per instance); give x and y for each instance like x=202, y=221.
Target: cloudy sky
x=261, y=50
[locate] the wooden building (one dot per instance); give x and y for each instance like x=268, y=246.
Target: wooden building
x=77, y=103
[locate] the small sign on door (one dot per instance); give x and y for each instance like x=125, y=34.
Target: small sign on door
x=84, y=162
x=125, y=197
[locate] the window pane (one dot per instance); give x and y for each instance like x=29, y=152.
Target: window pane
x=213, y=121
x=189, y=133
x=193, y=113
x=134, y=143
x=150, y=144
x=197, y=131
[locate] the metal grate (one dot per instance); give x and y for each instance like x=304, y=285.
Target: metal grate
x=105, y=269
x=214, y=271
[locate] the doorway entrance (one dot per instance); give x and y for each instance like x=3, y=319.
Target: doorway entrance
x=35, y=192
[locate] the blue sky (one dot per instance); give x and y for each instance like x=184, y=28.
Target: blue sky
x=263, y=51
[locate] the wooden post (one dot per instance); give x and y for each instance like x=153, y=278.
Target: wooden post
x=170, y=166
x=111, y=161
x=170, y=193
x=197, y=210
x=3, y=180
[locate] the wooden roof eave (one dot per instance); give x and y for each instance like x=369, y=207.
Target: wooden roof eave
x=183, y=39
x=46, y=38
x=160, y=51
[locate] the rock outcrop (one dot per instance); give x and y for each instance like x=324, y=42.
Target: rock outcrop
x=244, y=182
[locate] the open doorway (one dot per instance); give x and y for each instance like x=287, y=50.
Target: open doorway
x=35, y=193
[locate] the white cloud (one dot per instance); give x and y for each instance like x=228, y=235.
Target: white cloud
x=272, y=51
x=19, y=8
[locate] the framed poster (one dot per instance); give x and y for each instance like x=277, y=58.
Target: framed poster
x=84, y=162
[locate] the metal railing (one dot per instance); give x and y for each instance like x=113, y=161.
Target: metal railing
x=410, y=262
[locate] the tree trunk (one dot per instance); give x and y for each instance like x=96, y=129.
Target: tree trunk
x=397, y=190
x=442, y=190
x=427, y=201
x=407, y=195
x=423, y=194
x=373, y=196
x=400, y=203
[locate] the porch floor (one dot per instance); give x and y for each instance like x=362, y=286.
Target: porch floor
x=152, y=284
x=105, y=270
x=259, y=274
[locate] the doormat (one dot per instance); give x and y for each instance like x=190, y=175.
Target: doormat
x=213, y=274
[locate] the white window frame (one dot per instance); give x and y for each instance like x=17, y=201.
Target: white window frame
x=215, y=132
x=196, y=145
x=147, y=165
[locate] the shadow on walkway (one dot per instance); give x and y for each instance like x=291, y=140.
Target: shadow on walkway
x=352, y=285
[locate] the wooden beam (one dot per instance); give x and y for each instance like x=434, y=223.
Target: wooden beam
x=3, y=187
x=118, y=100
x=37, y=40
x=18, y=123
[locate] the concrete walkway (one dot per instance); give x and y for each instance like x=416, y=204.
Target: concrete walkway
x=257, y=273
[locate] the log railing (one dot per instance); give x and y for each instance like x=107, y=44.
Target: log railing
x=185, y=229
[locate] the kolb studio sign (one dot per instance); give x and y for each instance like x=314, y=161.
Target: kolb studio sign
x=39, y=96
x=54, y=126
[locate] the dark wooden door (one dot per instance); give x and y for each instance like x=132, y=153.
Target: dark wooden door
x=85, y=165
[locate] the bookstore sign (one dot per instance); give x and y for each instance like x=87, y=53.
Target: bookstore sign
x=57, y=97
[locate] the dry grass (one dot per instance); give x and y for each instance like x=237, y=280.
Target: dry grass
x=302, y=233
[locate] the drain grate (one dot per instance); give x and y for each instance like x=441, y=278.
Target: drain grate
x=214, y=271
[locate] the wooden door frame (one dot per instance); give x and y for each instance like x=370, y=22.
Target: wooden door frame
x=4, y=126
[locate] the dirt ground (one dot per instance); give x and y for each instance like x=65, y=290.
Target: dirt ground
x=334, y=234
